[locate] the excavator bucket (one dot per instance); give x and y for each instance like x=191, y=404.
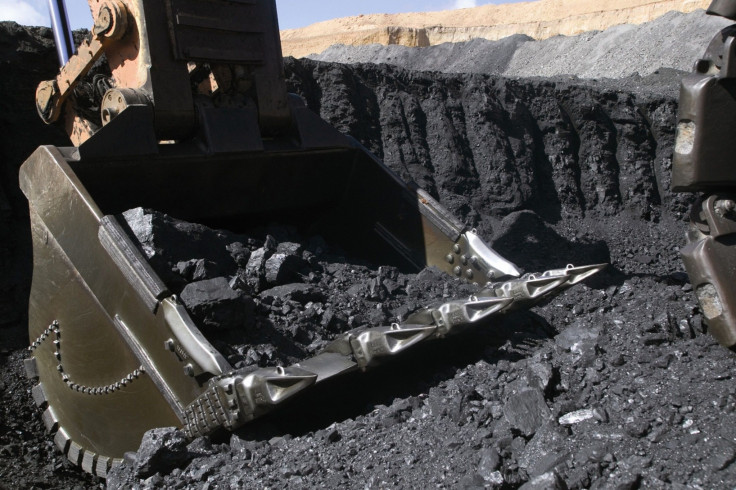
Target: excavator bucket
x=115, y=352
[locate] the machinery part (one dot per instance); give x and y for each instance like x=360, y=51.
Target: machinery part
x=703, y=162
x=724, y=8
x=244, y=155
x=238, y=397
x=710, y=260
x=111, y=24
x=55, y=328
x=62, y=32
x=117, y=100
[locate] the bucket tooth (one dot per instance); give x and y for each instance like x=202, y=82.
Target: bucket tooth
x=376, y=344
x=453, y=315
x=39, y=395
x=31, y=368
x=50, y=420
x=580, y=273
x=537, y=288
x=102, y=466
x=75, y=453
x=62, y=440
x=89, y=459
x=270, y=386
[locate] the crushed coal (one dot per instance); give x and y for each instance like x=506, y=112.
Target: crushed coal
x=272, y=296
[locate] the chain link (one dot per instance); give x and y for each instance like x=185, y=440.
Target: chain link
x=55, y=329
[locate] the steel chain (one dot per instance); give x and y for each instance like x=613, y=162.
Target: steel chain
x=89, y=390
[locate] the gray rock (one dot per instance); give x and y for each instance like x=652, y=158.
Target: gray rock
x=243, y=446
x=201, y=446
x=213, y=303
x=526, y=411
x=490, y=461
x=239, y=252
x=205, y=269
x=623, y=479
x=290, y=248
x=577, y=416
x=161, y=451
x=334, y=320
x=545, y=450
x=540, y=374
x=303, y=293
x=576, y=335
x=723, y=454
x=281, y=268
x=185, y=268
x=548, y=481
x=256, y=265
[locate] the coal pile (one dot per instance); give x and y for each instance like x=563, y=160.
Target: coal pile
x=272, y=297
x=608, y=401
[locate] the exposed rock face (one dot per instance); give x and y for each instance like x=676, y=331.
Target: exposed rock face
x=27, y=56
x=487, y=147
x=539, y=20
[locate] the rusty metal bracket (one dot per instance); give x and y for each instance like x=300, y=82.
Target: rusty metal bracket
x=111, y=24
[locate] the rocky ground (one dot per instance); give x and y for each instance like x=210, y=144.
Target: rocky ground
x=614, y=384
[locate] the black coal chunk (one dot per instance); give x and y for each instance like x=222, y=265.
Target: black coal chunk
x=215, y=304
x=526, y=411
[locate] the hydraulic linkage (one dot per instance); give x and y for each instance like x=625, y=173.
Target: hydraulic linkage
x=704, y=163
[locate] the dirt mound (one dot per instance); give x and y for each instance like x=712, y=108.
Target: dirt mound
x=540, y=20
x=616, y=52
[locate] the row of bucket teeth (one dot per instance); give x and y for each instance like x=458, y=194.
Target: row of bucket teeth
x=261, y=391
x=89, y=461
x=266, y=388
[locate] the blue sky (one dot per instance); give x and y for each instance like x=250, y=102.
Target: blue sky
x=292, y=13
